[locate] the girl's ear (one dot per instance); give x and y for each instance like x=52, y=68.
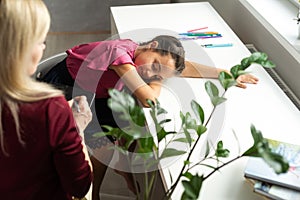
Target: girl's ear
x=154, y=44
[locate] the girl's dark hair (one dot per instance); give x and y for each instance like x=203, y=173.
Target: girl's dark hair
x=170, y=45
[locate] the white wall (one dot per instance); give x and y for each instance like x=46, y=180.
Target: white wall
x=86, y=15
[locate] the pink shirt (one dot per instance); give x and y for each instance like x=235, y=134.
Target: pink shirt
x=52, y=165
x=88, y=64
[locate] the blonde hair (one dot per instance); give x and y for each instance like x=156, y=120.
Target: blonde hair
x=22, y=24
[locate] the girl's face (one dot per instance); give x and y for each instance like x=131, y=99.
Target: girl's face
x=153, y=66
x=36, y=55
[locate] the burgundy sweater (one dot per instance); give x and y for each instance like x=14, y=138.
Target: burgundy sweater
x=51, y=165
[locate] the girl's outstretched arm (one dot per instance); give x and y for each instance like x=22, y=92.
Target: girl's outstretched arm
x=196, y=70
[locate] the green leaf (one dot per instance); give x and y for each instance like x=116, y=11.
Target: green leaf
x=115, y=132
x=211, y=89
x=121, y=98
x=235, y=71
x=146, y=155
x=201, y=129
x=267, y=64
x=188, y=175
x=189, y=122
x=162, y=133
x=164, y=121
x=207, y=150
x=170, y=152
x=188, y=136
x=261, y=148
x=207, y=165
x=256, y=134
x=120, y=149
x=245, y=63
x=161, y=111
x=262, y=59
x=198, y=110
x=227, y=83
x=213, y=93
x=133, y=133
x=192, y=187
x=189, y=192
x=147, y=142
x=258, y=57
x=182, y=117
x=171, y=178
x=220, y=151
x=184, y=140
x=124, y=104
x=252, y=151
x=137, y=115
x=226, y=80
x=277, y=162
x=150, y=103
x=115, y=105
x=99, y=134
x=258, y=141
x=107, y=127
x=217, y=100
x=187, y=162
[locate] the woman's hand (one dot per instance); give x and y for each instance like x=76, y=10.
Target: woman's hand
x=81, y=112
x=246, y=78
x=83, y=116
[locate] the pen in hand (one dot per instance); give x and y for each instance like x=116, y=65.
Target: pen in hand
x=75, y=105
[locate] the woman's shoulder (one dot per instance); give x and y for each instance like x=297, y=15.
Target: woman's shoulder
x=59, y=98
x=52, y=104
x=47, y=110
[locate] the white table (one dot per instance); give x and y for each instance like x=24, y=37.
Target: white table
x=263, y=105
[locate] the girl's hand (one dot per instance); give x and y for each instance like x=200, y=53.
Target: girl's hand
x=246, y=78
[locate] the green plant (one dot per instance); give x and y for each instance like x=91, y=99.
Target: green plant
x=150, y=153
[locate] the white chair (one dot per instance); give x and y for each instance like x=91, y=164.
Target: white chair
x=46, y=64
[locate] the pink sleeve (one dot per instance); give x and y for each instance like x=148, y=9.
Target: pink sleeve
x=123, y=59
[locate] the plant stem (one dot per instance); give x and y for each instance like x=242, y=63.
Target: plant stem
x=199, y=163
x=146, y=195
x=221, y=166
x=153, y=180
x=172, y=188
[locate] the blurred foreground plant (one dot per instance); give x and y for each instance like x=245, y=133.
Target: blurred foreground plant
x=150, y=152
